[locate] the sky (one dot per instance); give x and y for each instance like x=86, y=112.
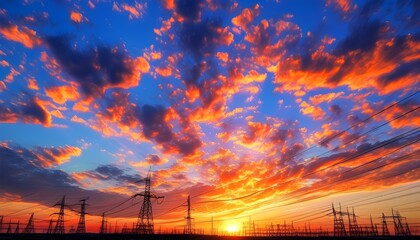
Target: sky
x=263, y=110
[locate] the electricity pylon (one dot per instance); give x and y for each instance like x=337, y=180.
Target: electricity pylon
x=59, y=226
x=30, y=226
x=188, y=229
x=81, y=227
x=104, y=223
x=145, y=223
x=339, y=229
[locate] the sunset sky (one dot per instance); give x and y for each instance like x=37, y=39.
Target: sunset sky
x=262, y=110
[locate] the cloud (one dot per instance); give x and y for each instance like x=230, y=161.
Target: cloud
x=23, y=35
x=76, y=17
x=344, y=6
x=97, y=69
x=33, y=182
x=155, y=127
x=62, y=94
x=246, y=17
x=135, y=11
x=28, y=110
x=53, y=156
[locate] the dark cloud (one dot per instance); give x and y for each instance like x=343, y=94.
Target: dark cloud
x=363, y=37
x=403, y=70
x=153, y=159
x=190, y=10
x=112, y=172
x=27, y=109
x=155, y=128
x=336, y=109
x=94, y=69
x=370, y=8
x=200, y=40
x=33, y=183
x=154, y=125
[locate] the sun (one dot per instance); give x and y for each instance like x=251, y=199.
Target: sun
x=232, y=228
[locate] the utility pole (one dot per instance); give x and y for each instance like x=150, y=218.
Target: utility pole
x=30, y=226
x=59, y=226
x=81, y=227
x=145, y=223
x=188, y=229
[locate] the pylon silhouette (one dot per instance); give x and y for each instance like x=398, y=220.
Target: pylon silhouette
x=30, y=226
x=339, y=229
x=104, y=223
x=145, y=223
x=50, y=230
x=59, y=226
x=188, y=229
x=81, y=227
x=385, y=231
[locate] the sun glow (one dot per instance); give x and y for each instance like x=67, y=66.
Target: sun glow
x=232, y=228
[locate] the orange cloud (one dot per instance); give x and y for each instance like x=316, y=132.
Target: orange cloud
x=344, y=6
x=134, y=12
x=313, y=111
x=169, y=4
x=164, y=71
x=23, y=35
x=4, y=63
x=76, y=17
x=62, y=94
x=223, y=56
x=32, y=84
x=246, y=17
x=328, y=97
x=77, y=119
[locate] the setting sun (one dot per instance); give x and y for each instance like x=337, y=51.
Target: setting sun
x=232, y=228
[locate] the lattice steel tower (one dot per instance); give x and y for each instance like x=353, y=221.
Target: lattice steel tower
x=145, y=219
x=339, y=229
x=81, y=227
x=30, y=226
x=59, y=226
x=188, y=229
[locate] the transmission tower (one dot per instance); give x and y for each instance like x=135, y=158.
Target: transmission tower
x=385, y=231
x=9, y=229
x=30, y=226
x=188, y=229
x=339, y=229
x=17, y=228
x=353, y=226
x=145, y=219
x=81, y=228
x=104, y=223
x=49, y=230
x=400, y=230
x=59, y=226
x=373, y=229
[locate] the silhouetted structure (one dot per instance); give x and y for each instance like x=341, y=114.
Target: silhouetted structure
x=339, y=228
x=385, y=231
x=30, y=226
x=145, y=219
x=354, y=230
x=102, y=230
x=59, y=226
x=188, y=229
x=81, y=226
x=400, y=228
